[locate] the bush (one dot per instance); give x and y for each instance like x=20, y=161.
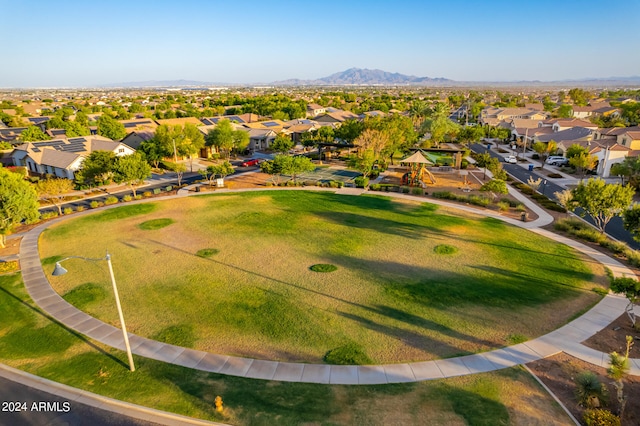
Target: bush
x=589, y=390
x=95, y=204
x=600, y=417
x=169, y=188
x=10, y=266
x=375, y=187
x=157, y=191
x=503, y=206
x=111, y=200
x=127, y=198
x=350, y=354
x=67, y=210
x=48, y=215
x=446, y=195
x=138, y=197
x=535, y=156
x=361, y=181
x=554, y=175
x=80, y=208
x=512, y=203
x=404, y=189
x=146, y=194
x=416, y=191
x=520, y=207
x=589, y=235
x=479, y=201
x=333, y=184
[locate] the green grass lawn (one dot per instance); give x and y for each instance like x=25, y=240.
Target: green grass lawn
x=29, y=340
x=412, y=281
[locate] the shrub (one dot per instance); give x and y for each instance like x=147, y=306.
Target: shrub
x=404, y=189
x=48, y=215
x=323, y=267
x=80, y=208
x=503, y=206
x=618, y=247
x=512, y=203
x=535, y=156
x=349, y=354
x=375, y=187
x=589, y=390
x=268, y=184
x=9, y=266
x=588, y=234
x=111, y=200
x=157, y=191
x=446, y=195
x=600, y=417
x=340, y=183
x=146, y=194
x=520, y=207
x=479, y=201
x=67, y=211
x=168, y=188
x=333, y=184
x=554, y=175
x=95, y=204
x=309, y=183
x=416, y=191
x=138, y=197
x=361, y=181
x=127, y=198
x=445, y=249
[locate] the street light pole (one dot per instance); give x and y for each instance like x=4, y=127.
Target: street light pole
x=132, y=367
x=59, y=270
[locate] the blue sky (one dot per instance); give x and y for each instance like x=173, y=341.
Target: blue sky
x=77, y=44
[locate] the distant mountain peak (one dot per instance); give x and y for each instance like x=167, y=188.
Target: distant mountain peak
x=366, y=77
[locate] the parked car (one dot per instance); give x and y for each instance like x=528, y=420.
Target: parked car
x=557, y=160
x=511, y=159
x=250, y=162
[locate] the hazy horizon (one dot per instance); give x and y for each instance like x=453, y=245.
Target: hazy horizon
x=88, y=44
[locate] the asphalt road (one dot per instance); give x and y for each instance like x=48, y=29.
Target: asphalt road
x=21, y=405
x=614, y=228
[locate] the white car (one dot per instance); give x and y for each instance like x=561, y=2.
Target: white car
x=511, y=159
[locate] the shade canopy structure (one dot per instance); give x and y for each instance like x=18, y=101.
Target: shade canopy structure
x=418, y=164
x=417, y=158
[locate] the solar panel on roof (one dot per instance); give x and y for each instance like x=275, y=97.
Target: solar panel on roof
x=270, y=124
x=128, y=125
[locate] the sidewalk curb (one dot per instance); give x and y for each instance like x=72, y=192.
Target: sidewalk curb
x=97, y=401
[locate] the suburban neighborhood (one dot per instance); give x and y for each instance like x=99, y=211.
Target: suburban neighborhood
x=358, y=213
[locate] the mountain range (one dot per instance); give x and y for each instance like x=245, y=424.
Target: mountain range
x=376, y=77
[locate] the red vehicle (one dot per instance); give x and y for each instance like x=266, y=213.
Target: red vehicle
x=250, y=162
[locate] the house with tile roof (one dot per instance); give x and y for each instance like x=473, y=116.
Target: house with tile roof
x=314, y=110
x=63, y=157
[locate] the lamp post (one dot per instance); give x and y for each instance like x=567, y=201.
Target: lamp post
x=59, y=270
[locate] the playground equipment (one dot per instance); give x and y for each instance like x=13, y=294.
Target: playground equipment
x=418, y=172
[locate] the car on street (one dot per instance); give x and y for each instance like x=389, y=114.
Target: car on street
x=557, y=160
x=250, y=162
x=511, y=159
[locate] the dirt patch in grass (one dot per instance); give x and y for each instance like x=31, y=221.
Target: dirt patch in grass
x=559, y=373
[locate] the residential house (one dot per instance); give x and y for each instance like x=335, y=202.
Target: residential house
x=493, y=116
x=629, y=139
x=314, y=110
x=11, y=134
x=63, y=157
x=574, y=134
x=179, y=121
x=139, y=124
x=607, y=154
x=336, y=116
x=260, y=139
x=135, y=138
x=559, y=124
x=238, y=118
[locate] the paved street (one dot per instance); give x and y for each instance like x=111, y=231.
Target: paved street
x=615, y=228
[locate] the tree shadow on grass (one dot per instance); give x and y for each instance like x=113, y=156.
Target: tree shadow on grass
x=474, y=407
x=63, y=327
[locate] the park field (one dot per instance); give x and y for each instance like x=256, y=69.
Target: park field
x=230, y=273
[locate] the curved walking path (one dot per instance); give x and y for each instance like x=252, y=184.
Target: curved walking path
x=565, y=339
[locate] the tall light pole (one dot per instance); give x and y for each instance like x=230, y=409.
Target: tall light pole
x=59, y=270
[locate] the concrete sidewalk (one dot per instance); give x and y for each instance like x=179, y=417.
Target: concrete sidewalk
x=566, y=339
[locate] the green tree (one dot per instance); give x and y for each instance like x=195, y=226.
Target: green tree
x=545, y=149
x=282, y=144
x=631, y=290
x=582, y=163
x=33, y=134
x=564, y=111
x=580, y=96
x=223, y=170
x=132, y=169
x=97, y=168
x=225, y=138
x=286, y=165
x=589, y=390
x=495, y=186
x=576, y=150
x=54, y=191
x=349, y=130
x=18, y=202
x=470, y=134
x=189, y=142
x=482, y=161
x=439, y=127
x=631, y=218
x=111, y=128
x=622, y=170
x=602, y=201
